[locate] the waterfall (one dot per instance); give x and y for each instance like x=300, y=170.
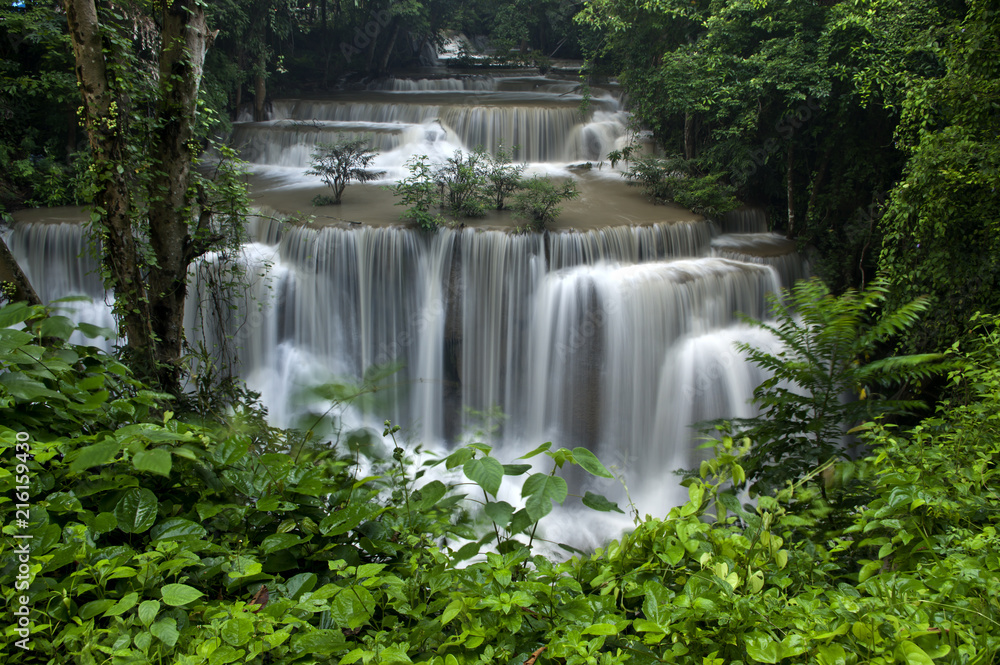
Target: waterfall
x=618, y=338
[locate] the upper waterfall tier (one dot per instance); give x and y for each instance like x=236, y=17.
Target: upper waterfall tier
x=546, y=120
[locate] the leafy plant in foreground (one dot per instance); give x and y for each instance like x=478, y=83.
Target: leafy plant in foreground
x=823, y=381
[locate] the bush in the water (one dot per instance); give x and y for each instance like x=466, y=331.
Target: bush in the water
x=539, y=199
x=677, y=180
x=341, y=162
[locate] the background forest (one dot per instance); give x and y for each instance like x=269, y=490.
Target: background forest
x=170, y=523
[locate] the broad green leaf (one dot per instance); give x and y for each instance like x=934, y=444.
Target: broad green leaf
x=57, y=326
x=237, y=631
x=319, y=641
x=177, y=528
x=598, y=502
x=180, y=594
x=427, y=496
x=148, y=609
x=541, y=490
x=454, y=608
x=487, y=472
x=127, y=602
x=95, y=455
x=831, y=654
x=762, y=648
x=590, y=463
x=515, y=469
x=601, y=629
x=11, y=315
x=156, y=460
x=300, y=584
x=279, y=541
x=500, y=512
x=459, y=457
x=352, y=607
x=27, y=389
x=95, y=607
x=136, y=510
x=166, y=631
x=911, y=654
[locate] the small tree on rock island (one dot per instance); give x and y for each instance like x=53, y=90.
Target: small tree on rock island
x=339, y=163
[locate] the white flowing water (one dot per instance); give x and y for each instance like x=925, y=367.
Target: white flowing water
x=617, y=338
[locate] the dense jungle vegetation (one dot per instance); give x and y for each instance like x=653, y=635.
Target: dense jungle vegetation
x=172, y=524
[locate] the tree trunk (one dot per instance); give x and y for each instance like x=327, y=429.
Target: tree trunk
x=689, y=134
x=151, y=306
x=11, y=273
x=172, y=204
x=383, y=65
x=111, y=202
x=259, y=97
x=791, y=192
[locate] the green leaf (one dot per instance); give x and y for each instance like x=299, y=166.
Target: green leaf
x=279, y=541
x=136, y=510
x=124, y=605
x=911, y=654
x=166, y=631
x=318, y=642
x=500, y=512
x=762, y=648
x=57, y=326
x=537, y=451
x=177, y=528
x=487, y=472
x=95, y=455
x=427, y=496
x=590, y=463
x=598, y=502
x=352, y=607
x=95, y=607
x=237, y=631
x=300, y=584
x=27, y=389
x=176, y=595
x=541, y=490
x=157, y=460
x=515, y=469
x=11, y=315
x=148, y=609
x=601, y=629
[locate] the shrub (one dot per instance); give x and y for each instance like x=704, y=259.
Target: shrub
x=420, y=191
x=676, y=180
x=463, y=181
x=539, y=199
x=503, y=177
x=340, y=163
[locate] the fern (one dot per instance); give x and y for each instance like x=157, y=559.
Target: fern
x=825, y=379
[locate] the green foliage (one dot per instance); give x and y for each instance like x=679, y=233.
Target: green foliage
x=675, y=180
x=823, y=378
x=419, y=191
x=940, y=225
x=503, y=177
x=340, y=163
x=463, y=181
x=539, y=199
x=158, y=540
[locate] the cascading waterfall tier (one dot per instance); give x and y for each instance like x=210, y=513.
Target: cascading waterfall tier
x=544, y=119
x=618, y=339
